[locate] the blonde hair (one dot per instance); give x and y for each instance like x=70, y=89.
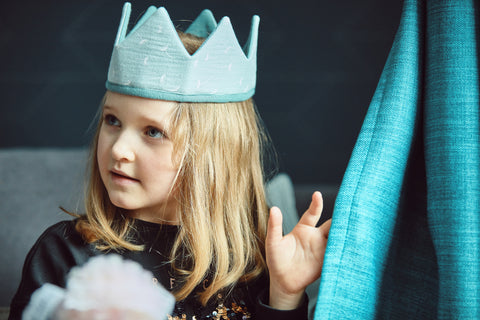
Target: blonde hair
x=222, y=209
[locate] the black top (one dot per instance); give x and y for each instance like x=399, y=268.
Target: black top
x=61, y=247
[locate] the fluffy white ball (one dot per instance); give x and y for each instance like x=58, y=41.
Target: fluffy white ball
x=105, y=288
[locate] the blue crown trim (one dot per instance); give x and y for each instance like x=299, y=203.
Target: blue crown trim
x=161, y=95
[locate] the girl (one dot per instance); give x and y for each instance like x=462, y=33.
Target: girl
x=176, y=181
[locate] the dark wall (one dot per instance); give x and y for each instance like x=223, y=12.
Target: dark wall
x=319, y=62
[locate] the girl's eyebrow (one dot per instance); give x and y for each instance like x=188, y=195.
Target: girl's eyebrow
x=153, y=122
x=107, y=107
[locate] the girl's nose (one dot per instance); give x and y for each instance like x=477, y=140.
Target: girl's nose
x=123, y=148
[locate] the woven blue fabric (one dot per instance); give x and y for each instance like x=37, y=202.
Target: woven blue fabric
x=405, y=235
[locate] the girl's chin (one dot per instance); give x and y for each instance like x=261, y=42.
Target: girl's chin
x=123, y=205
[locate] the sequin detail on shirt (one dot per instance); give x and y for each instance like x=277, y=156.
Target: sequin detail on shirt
x=223, y=311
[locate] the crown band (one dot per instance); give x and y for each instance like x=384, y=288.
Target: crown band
x=152, y=62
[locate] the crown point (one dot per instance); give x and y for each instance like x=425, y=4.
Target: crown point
x=163, y=10
x=207, y=16
x=122, y=28
x=225, y=20
x=207, y=12
x=203, y=25
x=150, y=11
x=250, y=48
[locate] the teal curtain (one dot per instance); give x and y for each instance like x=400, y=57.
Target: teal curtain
x=405, y=235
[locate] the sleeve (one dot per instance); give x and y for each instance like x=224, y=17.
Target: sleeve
x=57, y=250
x=264, y=311
x=258, y=293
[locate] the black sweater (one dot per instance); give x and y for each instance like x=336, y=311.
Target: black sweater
x=61, y=247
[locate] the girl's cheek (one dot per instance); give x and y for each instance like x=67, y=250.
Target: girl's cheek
x=103, y=142
x=102, y=152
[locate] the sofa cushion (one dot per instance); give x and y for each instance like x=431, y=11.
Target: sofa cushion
x=33, y=184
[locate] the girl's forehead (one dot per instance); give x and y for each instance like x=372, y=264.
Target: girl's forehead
x=120, y=98
x=138, y=106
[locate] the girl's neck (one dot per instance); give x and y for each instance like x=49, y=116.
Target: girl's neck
x=167, y=215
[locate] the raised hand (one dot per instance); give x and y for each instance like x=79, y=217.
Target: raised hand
x=296, y=259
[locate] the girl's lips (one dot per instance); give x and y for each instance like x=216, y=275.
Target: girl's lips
x=122, y=179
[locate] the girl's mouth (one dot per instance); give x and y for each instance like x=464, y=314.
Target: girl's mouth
x=121, y=178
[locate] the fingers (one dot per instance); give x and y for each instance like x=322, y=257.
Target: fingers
x=274, y=230
x=325, y=228
x=314, y=212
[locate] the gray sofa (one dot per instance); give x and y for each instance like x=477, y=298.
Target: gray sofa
x=35, y=182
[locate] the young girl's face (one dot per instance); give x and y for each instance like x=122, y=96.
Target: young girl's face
x=135, y=156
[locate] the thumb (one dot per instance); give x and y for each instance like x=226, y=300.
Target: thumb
x=314, y=212
x=274, y=230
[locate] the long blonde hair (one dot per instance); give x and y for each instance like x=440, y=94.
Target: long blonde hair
x=222, y=209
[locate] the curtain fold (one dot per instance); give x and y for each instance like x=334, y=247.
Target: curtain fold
x=405, y=235
x=452, y=152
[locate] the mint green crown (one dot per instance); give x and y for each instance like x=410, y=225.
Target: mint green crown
x=152, y=62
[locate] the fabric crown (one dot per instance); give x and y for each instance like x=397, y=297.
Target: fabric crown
x=152, y=62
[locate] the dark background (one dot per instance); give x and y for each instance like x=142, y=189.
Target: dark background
x=318, y=66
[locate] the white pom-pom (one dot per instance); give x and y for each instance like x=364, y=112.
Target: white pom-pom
x=108, y=287
x=44, y=302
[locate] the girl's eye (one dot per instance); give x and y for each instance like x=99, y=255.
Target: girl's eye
x=154, y=133
x=111, y=120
